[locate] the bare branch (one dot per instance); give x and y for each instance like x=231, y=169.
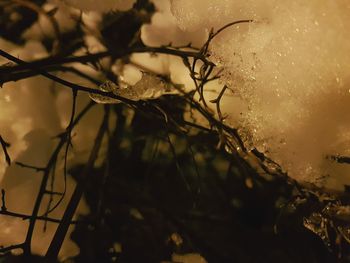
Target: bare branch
x=38, y=169
x=3, y=205
x=4, y=146
x=62, y=229
x=43, y=185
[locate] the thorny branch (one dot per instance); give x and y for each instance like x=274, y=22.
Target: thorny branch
x=191, y=60
x=201, y=70
x=42, y=218
x=62, y=229
x=69, y=130
x=42, y=190
x=64, y=137
x=42, y=64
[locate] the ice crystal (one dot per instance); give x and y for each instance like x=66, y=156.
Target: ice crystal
x=148, y=87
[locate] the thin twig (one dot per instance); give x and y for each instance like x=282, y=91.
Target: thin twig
x=3, y=200
x=62, y=229
x=43, y=185
x=26, y=217
x=37, y=169
x=10, y=248
x=4, y=146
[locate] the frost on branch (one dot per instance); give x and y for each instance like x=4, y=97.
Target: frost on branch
x=148, y=87
x=291, y=68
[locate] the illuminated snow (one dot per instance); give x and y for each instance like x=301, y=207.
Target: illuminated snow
x=289, y=71
x=291, y=68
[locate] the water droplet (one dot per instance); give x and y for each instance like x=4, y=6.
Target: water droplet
x=249, y=183
x=228, y=149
